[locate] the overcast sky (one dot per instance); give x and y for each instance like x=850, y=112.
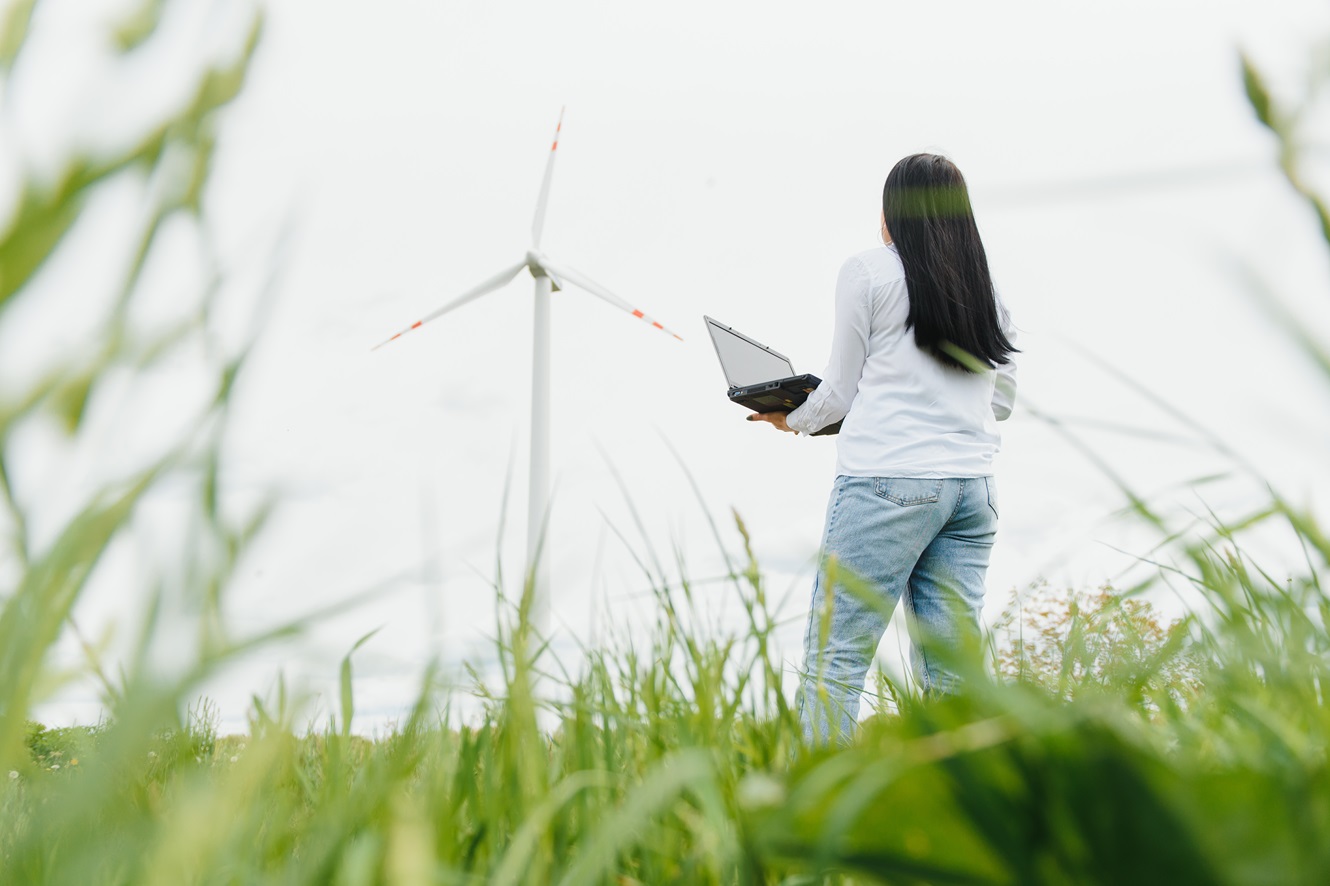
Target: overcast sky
x=720, y=159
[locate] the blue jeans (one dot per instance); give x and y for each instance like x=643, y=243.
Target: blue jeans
x=888, y=539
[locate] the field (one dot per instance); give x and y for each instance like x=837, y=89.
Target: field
x=1097, y=745
x=1108, y=749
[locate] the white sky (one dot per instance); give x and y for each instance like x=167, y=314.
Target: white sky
x=720, y=159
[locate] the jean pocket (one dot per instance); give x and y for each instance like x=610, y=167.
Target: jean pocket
x=992, y=495
x=907, y=491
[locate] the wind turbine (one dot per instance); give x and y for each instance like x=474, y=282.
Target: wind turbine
x=549, y=277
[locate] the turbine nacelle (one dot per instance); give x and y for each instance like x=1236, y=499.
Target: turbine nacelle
x=538, y=266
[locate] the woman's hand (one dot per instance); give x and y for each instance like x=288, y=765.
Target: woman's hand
x=776, y=418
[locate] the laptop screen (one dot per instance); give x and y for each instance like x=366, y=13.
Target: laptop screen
x=744, y=361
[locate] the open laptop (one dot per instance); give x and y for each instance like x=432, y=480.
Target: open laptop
x=760, y=378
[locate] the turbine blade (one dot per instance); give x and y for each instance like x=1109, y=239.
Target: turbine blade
x=581, y=281
x=497, y=281
x=538, y=224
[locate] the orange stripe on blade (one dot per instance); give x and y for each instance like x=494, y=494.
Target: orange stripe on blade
x=417, y=323
x=638, y=314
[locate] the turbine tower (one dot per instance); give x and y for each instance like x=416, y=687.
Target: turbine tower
x=548, y=278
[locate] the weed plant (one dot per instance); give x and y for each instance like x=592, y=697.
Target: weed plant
x=1098, y=747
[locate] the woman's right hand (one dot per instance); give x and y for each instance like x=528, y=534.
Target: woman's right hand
x=777, y=419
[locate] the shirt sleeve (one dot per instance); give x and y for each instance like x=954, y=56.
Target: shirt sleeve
x=831, y=400
x=1004, y=387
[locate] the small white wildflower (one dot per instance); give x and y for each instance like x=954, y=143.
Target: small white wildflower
x=152, y=753
x=55, y=766
x=758, y=790
x=234, y=759
x=12, y=775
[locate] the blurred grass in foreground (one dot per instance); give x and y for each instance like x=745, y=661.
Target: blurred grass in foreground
x=1107, y=749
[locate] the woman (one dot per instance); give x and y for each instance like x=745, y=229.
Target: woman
x=921, y=372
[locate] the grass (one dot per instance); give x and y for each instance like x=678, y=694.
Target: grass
x=663, y=767
x=1099, y=746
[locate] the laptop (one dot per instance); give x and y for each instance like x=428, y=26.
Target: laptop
x=761, y=379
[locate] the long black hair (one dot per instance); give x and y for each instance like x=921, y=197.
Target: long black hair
x=953, y=309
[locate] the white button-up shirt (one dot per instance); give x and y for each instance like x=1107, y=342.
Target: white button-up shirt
x=906, y=414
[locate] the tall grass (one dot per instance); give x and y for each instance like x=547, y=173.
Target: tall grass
x=1104, y=749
